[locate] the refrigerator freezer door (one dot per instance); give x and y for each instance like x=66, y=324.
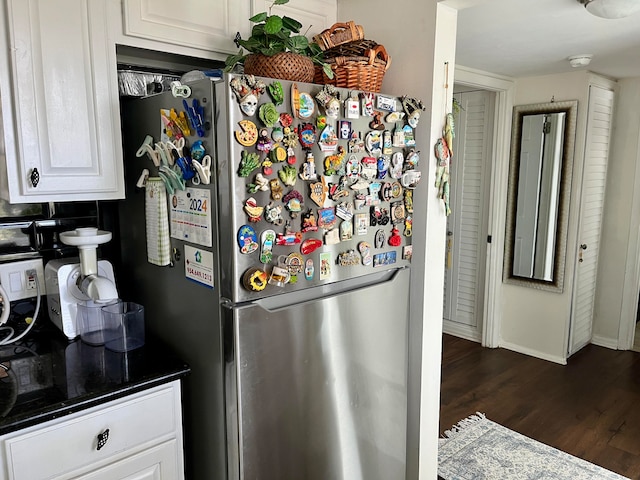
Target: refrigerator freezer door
x=320, y=386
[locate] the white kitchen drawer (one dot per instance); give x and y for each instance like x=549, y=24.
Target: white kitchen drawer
x=61, y=446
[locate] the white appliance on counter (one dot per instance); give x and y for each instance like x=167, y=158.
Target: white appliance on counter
x=299, y=378
x=69, y=281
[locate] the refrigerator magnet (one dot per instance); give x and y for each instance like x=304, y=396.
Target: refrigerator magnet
x=408, y=226
x=247, y=239
x=332, y=237
x=365, y=250
x=273, y=214
x=253, y=210
x=267, y=239
x=346, y=231
x=293, y=202
x=386, y=258
x=395, y=240
x=247, y=136
x=308, y=269
x=260, y=183
x=361, y=223
x=325, y=265
x=348, y=259
x=255, y=280
x=319, y=192
x=333, y=164
x=309, y=222
x=326, y=218
x=407, y=252
x=339, y=190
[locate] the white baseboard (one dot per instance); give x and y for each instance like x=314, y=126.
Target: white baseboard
x=533, y=353
x=463, y=331
x=607, y=342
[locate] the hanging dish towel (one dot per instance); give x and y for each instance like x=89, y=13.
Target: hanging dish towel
x=157, y=222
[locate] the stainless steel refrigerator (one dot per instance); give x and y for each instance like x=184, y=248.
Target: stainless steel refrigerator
x=298, y=372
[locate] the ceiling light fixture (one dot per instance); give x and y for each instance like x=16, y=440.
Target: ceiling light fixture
x=611, y=8
x=580, y=60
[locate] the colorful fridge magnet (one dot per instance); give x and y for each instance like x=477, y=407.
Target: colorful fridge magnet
x=332, y=237
x=249, y=161
x=394, y=117
x=318, y=192
x=273, y=214
x=307, y=135
x=388, y=104
x=247, y=239
x=379, y=239
x=198, y=151
x=411, y=160
x=352, y=168
x=384, y=259
x=397, y=163
x=398, y=137
x=396, y=190
x=408, y=201
x=321, y=122
x=278, y=154
x=338, y=190
x=268, y=114
x=267, y=239
x=383, y=166
x=310, y=245
x=397, y=212
x=411, y=178
x=327, y=218
x=352, y=107
x=346, y=231
x=408, y=226
x=276, y=92
x=368, y=168
x=345, y=129
x=293, y=202
x=367, y=103
x=409, y=139
x=309, y=222
x=255, y=280
x=365, y=251
x=355, y=143
x=267, y=166
x=329, y=98
x=395, y=240
x=264, y=143
x=361, y=222
x=385, y=193
x=386, y=143
x=308, y=169
x=289, y=237
x=276, y=189
x=333, y=164
x=325, y=265
x=344, y=210
x=260, y=183
x=378, y=215
x=348, y=259
x=253, y=210
x=306, y=106
x=248, y=90
x=373, y=142
x=328, y=140
x=286, y=120
x=277, y=134
x=407, y=252
x=247, y=136
x=288, y=174
x=377, y=123
x=308, y=269
x=289, y=137
x=412, y=107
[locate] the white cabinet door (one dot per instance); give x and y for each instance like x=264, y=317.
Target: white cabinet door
x=60, y=102
x=201, y=24
x=594, y=179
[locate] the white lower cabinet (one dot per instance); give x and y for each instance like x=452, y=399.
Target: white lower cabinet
x=138, y=436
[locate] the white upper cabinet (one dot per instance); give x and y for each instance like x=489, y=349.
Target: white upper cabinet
x=205, y=25
x=315, y=15
x=58, y=87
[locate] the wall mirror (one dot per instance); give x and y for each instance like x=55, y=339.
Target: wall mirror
x=540, y=169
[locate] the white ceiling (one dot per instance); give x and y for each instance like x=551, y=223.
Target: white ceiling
x=521, y=38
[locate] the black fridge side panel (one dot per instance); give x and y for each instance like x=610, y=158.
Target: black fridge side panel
x=183, y=313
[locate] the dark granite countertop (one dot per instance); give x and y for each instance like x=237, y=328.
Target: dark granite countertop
x=50, y=377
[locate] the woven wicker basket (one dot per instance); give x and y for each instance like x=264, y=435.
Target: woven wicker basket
x=362, y=72
x=338, y=34
x=285, y=66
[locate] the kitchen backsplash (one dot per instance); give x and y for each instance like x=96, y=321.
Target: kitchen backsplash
x=33, y=229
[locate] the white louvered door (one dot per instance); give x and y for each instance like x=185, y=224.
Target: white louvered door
x=467, y=224
x=594, y=179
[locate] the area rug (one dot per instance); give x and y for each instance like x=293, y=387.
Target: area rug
x=477, y=448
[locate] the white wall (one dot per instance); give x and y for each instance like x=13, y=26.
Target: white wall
x=617, y=291
x=420, y=37
x=536, y=322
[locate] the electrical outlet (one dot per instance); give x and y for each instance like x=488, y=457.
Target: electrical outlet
x=22, y=279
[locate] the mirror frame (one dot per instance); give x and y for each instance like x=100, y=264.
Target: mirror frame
x=519, y=111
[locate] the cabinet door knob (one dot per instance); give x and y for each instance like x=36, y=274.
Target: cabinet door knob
x=34, y=177
x=583, y=246
x=102, y=439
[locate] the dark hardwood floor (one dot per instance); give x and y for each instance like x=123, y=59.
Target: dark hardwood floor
x=589, y=408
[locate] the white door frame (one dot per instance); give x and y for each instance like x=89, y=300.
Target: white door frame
x=504, y=87
x=631, y=286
